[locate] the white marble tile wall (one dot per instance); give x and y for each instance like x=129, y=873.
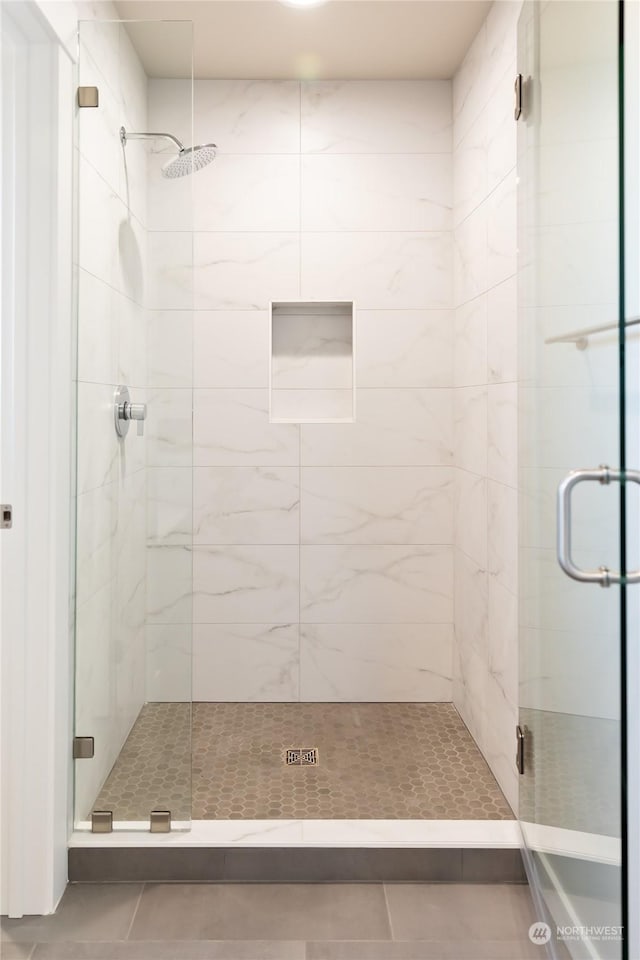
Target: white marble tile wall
x=111, y=481
x=485, y=688
x=322, y=553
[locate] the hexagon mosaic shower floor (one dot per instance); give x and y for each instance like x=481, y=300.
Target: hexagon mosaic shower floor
x=376, y=761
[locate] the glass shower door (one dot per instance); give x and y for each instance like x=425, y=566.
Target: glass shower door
x=571, y=341
x=134, y=476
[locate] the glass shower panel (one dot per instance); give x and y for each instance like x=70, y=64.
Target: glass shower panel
x=570, y=346
x=134, y=268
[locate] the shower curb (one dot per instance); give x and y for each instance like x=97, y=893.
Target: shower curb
x=296, y=864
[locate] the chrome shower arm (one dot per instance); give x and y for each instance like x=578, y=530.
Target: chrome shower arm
x=126, y=135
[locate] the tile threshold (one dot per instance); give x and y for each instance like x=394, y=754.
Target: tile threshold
x=503, y=834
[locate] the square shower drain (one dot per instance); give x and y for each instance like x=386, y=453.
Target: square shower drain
x=303, y=757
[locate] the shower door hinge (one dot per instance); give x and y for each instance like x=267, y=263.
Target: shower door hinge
x=102, y=821
x=160, y=821
x=520, y=749
x=517, y=87
x=83, y=748
x=88, y=97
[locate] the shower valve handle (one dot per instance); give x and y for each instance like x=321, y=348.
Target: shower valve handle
x=125, y=412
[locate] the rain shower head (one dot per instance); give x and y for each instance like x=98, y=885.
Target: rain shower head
x=188, y=160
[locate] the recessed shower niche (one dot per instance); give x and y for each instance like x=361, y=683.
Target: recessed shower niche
x=312, y=362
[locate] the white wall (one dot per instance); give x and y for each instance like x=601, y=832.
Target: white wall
x=485, y=688
x=323, y=566
x=111, y=473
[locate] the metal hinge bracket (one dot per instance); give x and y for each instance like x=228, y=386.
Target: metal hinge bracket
x=102, y=821
x=88, y=97
x=160, y=821
x=517, y=87
x=6, y=516
x=520, y=740
x=83, y=748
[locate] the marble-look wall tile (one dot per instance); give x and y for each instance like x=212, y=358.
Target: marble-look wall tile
x=470, y=428
x=470, y=256
x=469, y=88
x=485, y=398
x=376, y=117
x=246, y=584
x=169, y=505
x=96, y=526
x=470, y=516
x=132, y=341
x=502, y=232
x=244, y=271
x=250, y=505
x=231, y=348
x=169, y=661
x=470, y=358
x=170, y=348
x=97, y=330
x=392, y=427
x=236, y=193
x=169, y=584
x=470, y=170
x=231, y=428
x=379, y=271
x=376, y=584
x=169, y=428
x=368, y=662
x=312, y=406
x=378, y=192
x=96, y=438
x=170, y=280
x=240, y=116
x=223, y=651
x=376, y=505
x=404, y=348
x=502, y=510
x=502, y=327
x=502, y=433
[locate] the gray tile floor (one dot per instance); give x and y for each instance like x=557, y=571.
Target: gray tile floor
x=130, y=921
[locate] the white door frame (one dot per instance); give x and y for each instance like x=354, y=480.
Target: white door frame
x=35, y=459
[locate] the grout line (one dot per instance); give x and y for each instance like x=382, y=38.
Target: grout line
x=135, y=912
x=386, y=901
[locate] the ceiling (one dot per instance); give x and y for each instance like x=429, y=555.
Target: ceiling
x=339, y=40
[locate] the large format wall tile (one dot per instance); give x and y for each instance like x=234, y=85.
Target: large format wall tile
x=376, y=192
x=376, y=584
x=409, y=661
x=231, y=348
x=404, y=348
x=246, y=505
x=392, y=427
x=223, y=653
x=244, y=271
x=231, y=428
x=376, y=117
x=378, y=270
x=245, y=584
x=321, y=191
x=376, y=505
x=235, y=193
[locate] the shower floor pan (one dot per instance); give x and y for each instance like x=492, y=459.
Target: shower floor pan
x=397, y=791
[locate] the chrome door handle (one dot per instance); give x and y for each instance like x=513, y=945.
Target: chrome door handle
x=604, y=475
